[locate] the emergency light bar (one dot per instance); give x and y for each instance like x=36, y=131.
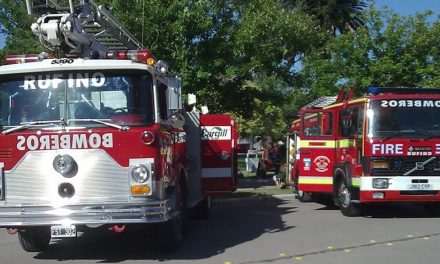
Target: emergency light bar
x=402, y=90
x=141, y=56
x=16, y=59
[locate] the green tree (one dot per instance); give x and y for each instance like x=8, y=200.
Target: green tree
x=390, y=51
x=16, y=24
x=336, y=16
x=225, y=49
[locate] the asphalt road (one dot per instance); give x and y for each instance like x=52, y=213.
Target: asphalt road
x=273, y=230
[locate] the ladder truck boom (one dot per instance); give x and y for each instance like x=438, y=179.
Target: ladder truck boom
x=87, y=29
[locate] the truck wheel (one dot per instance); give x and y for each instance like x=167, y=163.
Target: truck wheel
x=34, y=239
x=202, y=210
x=304, y=197
x=348, y=208
x=173, y=230
x=261, y=170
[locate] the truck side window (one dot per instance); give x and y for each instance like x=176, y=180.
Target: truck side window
x=317, y=124
x=350, y=122
x=162, y=93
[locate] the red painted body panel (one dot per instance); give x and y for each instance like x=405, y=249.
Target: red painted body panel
x=126, y=144
x=219, y=175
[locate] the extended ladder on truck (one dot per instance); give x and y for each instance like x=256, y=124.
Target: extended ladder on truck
x=80, y=29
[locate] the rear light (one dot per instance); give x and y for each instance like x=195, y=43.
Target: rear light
x=142, y=56
x=17, y=59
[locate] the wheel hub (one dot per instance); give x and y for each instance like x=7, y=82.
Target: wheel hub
x=344, y=196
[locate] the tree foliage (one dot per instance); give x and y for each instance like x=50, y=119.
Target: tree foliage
x=390, y=51
x=16, y=24
x=261, y=60
x=336, y=16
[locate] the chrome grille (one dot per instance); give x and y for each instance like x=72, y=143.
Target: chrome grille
x=399, y=166
x=34, y=181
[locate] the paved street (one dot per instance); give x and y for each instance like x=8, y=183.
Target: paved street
x=270, y=230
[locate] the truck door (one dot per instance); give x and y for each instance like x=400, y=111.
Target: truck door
x=316, y=151
x=219, y=154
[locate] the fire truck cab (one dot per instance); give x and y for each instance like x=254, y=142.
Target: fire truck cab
x=104, y=141
x=381, y=147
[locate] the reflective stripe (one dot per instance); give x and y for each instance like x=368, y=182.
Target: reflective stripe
x=356, y=182
x=346, y=143
x=315, y=180
x=343, y=143
x=317, y=144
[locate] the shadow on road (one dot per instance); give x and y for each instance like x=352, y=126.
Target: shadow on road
x=231, y=223
x=387, y=210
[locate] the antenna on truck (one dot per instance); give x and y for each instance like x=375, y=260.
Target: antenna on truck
x=86, y=28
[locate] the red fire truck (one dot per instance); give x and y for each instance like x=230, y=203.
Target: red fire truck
x=99, y=137
x=381, y=147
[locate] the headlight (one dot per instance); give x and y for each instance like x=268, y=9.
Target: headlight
x=380, y=183
x=140, y=173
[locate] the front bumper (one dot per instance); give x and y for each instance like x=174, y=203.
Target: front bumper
x=86, y=214
x=398, y=189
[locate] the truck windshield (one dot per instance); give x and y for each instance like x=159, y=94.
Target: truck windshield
x=404, y=118
x=113, y=97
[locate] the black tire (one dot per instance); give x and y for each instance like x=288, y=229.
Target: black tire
x=304, y=197
x=203, y=210
x=261, y=170
x=34, y=239
x=171, y=235
x=173, y=230
x=344, y=201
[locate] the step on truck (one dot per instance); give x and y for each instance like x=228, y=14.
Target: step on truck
x=381, y=147
x=94, y=134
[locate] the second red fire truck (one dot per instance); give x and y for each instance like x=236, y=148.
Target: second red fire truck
x=381, y=147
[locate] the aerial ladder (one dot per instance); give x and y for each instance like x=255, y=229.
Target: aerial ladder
x=83, y=29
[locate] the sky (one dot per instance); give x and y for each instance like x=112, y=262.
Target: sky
x=402, y=7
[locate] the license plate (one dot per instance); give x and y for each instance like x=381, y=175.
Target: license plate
x=63, y=231
x=420, y=186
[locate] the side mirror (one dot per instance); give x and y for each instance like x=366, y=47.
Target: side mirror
x=174, y=92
